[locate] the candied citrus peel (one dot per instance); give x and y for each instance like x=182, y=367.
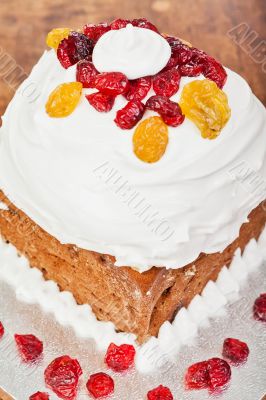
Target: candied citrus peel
x=55, y=36
x=206, y=105
x=150, y=139
x=64, y=99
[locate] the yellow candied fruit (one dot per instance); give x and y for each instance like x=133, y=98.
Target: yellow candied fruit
x=55, y=36
x=206, y=105
x=150, y=139
x=64, y=99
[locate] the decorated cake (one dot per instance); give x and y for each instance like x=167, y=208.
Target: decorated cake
x=132, y=168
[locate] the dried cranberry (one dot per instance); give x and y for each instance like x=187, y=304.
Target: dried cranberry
x=62, y=376
x=219, y=373
x=66, y=52
x=212, y=374
x=138, y=88
x=181, y=53
x=160, y=393
x=167, y=83
x=144, y=23
x=197, y=376
x=29, y=346
x=169, y=110
x=100, y=385
x=130, y=115
x=2, y=330
x=102, y=102
x=259, y=308
x=112, y=83
x=119, y=24
x=84, y=45
x=86, y=73
x=235, y=350
x=190, y=69
x=73, y=49
x=173, y=41
x=120, y=358
x=94, y=32
x=171, y=64
x=214, y=71
x=175, y=120
x=39, y=396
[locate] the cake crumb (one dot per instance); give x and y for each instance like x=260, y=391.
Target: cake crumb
x=3, y=206
x=191, y=271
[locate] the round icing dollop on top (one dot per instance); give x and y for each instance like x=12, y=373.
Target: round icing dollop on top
x=136, y=52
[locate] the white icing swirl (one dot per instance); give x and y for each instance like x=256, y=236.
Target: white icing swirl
x=136, y=52
x=58, y=171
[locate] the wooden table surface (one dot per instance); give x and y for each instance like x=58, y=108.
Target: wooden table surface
x=205, y=23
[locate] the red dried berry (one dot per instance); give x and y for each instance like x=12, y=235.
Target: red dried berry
x=2, y=330
x=190, y=69
x=138, y=88
x=120, y=358
x=219, y=373
x=144, y=23
x=39, y=396
x=235, y=350
x=197, y=376
x=100, y=385
x=259, y=308
x=130, y=115
x=170, y=111
x=73, y=49
x=86, y=73
x=113, y=83
x=174, y=121
x=119, y=23
x=167, y=83
x=212, y=374
x=173, y=41
x=94, y=32
x=160, y=393
x=29, y=346
x=181, y=53
x=102, y=102
x=62, y=376
x=66, y=52
x=214, y=71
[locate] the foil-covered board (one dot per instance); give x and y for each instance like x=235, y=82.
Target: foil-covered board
x=248, y=381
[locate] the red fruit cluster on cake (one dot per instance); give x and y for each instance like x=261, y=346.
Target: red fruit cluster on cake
x=77, y=49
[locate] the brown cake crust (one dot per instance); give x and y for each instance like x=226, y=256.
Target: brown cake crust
x=135, y=302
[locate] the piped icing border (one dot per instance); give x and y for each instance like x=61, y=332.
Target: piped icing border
x=30, y=287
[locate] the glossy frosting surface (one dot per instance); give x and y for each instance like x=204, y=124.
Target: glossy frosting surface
x=78, y=178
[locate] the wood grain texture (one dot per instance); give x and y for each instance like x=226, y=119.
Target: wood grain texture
x=205, y=23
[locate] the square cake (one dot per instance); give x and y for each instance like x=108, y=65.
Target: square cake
x=132, y=170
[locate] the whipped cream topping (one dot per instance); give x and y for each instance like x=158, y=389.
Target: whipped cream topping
x=136, y=52
x=78, y=178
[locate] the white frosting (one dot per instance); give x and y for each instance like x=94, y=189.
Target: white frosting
x=78, y=178
x=156, y=353
x=136, y=52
